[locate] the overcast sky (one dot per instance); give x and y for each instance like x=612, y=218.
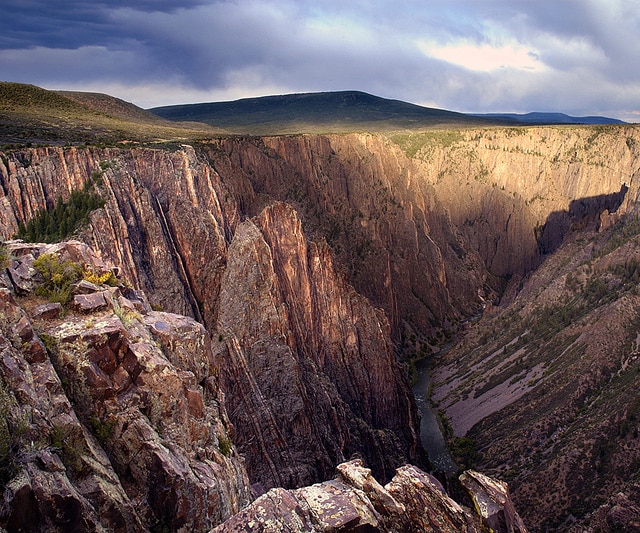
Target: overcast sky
x=576, y=56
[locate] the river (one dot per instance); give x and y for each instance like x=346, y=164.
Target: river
x=430, y=434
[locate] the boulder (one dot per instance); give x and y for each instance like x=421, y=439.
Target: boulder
x=89, y=303
x=492, y=501
x=48, y=311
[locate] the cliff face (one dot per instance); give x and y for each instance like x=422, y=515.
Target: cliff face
x=382, y=220
x=174, y=223
x=112, y=419
x=306, y=360
x=421, y=225
x=500, y=185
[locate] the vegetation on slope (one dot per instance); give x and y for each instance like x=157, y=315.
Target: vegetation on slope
x=552, y=377
x=4, y=256
x=58, y=222
x=32, y=115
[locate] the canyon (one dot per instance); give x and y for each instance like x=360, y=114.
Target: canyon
x=319, y=265
x=113, y=419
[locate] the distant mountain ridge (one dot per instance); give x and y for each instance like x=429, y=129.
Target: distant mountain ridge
x=539, y=117
x=344, y=111
x=313, y=112
x=31, y=114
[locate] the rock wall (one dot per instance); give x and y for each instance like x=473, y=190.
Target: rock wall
x=383, y=221
x=425, y=226
x=307, y=360
x=503, y=186
x=422, y=224
x=171, y=221
x=112, y=418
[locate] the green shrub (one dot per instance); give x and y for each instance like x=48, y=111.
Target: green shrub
x=12, y=430
x=70, y=446
x=225, y=445
x=50, y=343
x=463, y=448
x=103, y=429
x=58, y=277
x=55, y=224
x=4, y=257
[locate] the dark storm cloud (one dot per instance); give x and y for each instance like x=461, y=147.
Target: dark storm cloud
x=69, y=24
x=468, y=55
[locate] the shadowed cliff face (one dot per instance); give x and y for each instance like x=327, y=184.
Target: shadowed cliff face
x=582, y=214
x=425, y=226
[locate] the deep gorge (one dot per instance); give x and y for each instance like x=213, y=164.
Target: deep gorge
x=319, y=263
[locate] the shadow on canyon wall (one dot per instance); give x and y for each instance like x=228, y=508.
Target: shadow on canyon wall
x=582, y=213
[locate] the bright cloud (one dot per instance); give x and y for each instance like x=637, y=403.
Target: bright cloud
x=484, y=58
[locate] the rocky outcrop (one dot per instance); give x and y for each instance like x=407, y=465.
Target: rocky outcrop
x=309, y=370
x=412, y=501
x=492, y=501
x=112, y=416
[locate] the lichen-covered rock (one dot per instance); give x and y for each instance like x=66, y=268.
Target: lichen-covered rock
x=20, y=274
x=118, y=424
x=57, y=476
x=48, y=311
x=89, y=303
x=492, y=502
x=413, y=502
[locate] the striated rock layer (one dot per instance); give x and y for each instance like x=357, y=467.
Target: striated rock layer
x=175, y=224
x=421, y=223
x=307, y=362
